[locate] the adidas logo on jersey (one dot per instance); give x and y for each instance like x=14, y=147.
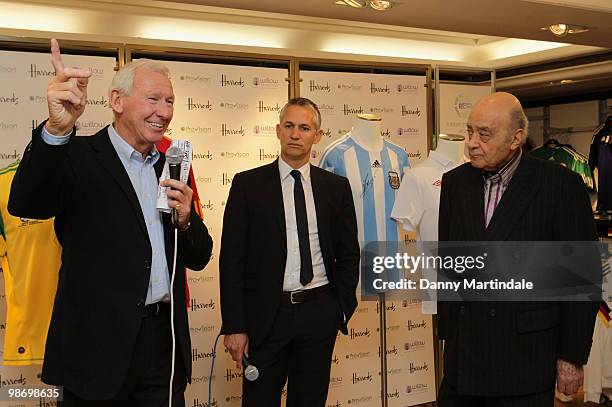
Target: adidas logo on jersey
x=376, y=164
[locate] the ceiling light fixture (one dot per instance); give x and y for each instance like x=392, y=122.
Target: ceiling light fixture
x=378, y=5
x=561, y=29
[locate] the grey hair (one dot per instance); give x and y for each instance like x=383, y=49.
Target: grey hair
x=304, y=102
x=123, y=81
x=519, y=120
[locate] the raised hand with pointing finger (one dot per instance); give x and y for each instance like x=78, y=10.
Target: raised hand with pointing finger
x=66, y=94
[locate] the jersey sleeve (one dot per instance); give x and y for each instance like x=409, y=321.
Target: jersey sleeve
x=408, y=208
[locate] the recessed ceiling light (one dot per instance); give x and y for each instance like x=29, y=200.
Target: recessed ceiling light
x=561, y=29
x=566, y=81
x=356, y=3
x=378, y=5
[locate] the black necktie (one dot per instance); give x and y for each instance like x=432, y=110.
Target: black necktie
x=302, y=226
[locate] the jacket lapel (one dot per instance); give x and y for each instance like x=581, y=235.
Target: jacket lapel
x=474, y=204
x=274, y=191
x=110, y=161
x=514, y=201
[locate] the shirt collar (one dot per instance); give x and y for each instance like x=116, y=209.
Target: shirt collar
x=505, y=173
x=285, y=169
x=125, y=151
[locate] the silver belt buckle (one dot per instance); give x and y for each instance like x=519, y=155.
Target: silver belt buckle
x=291, y=297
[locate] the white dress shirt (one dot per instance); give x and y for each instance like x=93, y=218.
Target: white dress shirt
x=292, y=266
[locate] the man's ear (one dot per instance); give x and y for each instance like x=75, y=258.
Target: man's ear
x=518, y=138
x=318, y=136
x=116, y=101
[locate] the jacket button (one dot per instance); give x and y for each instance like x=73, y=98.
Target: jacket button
x=492, y=312
x=140, y=303
x=462, y=309
x=147, y=265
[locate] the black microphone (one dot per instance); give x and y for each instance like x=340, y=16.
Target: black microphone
x=251, y=373
x=174, y=157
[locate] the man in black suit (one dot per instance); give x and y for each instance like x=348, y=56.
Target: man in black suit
x=109, y=342
x=288, y=267
x=509, y=354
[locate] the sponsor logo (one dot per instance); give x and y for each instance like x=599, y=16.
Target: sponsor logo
x=410, y=303
x=196, y=130
x=381, y=110
x=7, y=69
x=409, y=89
x=350, y=110
x=349, y=86
x=201, y=329
x=359, y=333
x=90, y=125
x=362, y=310
x=313, y=86
x=437, y=183
x=233, y=398
x=376, y=164
x=390, y=351
x=265, y=82
x=38, y=99
x=422, y=324
x=14, y=155
x=36, y=71
x=196, y=355
x=335, y=381
x=25, y=222
x=202, y=156
x=101, y=101
x=35, y=124
x=201, y=379
x=463, y=106
x=335, y=360
x=234, y=154
x=264, y=130
x=407, y=131
x=392, y=372
x=203, y=180
x=8, y=126
x=44, y=403
x=360, y=378
x=262, y=107
x=363, y=399
x=414, y=155
x=196, y=105
x=416, y=388
x=358, y=355
x=326, y=109
x=225, y=81
x=200, y=279
x=14, y=100
x=379, y=89
x=231, y=375
x=336, y=404
x=207, y=206
x=406, y=111
x=263, y=156
x=198, y=403
x=414, y=368
x=12, y=380
x=388, y=307
x=233, y=106
x=225, y=179
x=385, y=133
x=393, y=395
x=327, y=133
x=414, y=345
x=195, y=78
x=230, y=131
x=194, y=305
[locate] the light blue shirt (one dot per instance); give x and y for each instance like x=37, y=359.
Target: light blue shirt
x=144, y=180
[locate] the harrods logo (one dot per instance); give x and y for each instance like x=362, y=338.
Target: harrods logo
x=196, y=355
x=196, y=130
x=231, y=375
x=262, y=107
x=13, y=155
x=379, y=89
x=359, y=333
x=233, y=106
x=198, y=403
x=202, y=156
x=414, y=368
x=388, y=307
x=13, y=100
x=265, y=82
x=225, y=179
x=385, y=133
x=193, y=104
x=406, y=111
x=36, y=71
x=327, y=133
x=351, y=110
x=335, y=360
x=393, y=395
x=361, y=378
x=336, y=404
x=207, y=206
x=194, y=305
x=409, y=89
x=8, y=126
x=263, y=156
x=225, y=81
x=231, y=131
x=195, y=79
x=390, y=351
x=12, y=380
x=35, y=124
x=46, y=403
x=422, y=324
x=7, y=69
x=318, y=87
x=101, y=101
x=416, y=154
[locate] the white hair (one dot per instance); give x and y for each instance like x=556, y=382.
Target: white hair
x=123, y=81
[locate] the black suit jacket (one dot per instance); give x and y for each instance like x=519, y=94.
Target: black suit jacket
x=106, y=260
x=254, y=247
x=498, y=349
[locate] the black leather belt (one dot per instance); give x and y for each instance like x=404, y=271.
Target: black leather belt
x=298, y=297
x=153, y=310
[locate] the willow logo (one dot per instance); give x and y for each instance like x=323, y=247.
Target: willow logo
x=326, y=109
x=233, y=398
x=194, y=305
x=202, y=156
x=225, y=81
x=195, y=105
x=410, y=89
x=262, y=107
x=264, y=130
x=229, y=131
x=14, y=100
x=377, y=89
x=410, y=112
x=407, y=131
x=422, y=324
x=35, y=72
x=416, y=388
x=203, y=180
x=38, y=99
x=90, y=126
x=96, y=73
x=361, y=378
x=196, y=355
x=414, y=345
x=314, y=87
x=269, y=83
x=350, y=110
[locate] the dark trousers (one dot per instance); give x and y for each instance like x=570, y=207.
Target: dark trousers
x=148, y=378
x=449, y=397
x=299, y=349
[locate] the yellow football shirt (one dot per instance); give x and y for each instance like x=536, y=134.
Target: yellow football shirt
x=31, y=250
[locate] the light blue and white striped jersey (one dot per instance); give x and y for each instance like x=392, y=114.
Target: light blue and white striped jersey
x=375, y=177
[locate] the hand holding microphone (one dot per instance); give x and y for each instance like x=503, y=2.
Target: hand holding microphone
x=180, y=195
